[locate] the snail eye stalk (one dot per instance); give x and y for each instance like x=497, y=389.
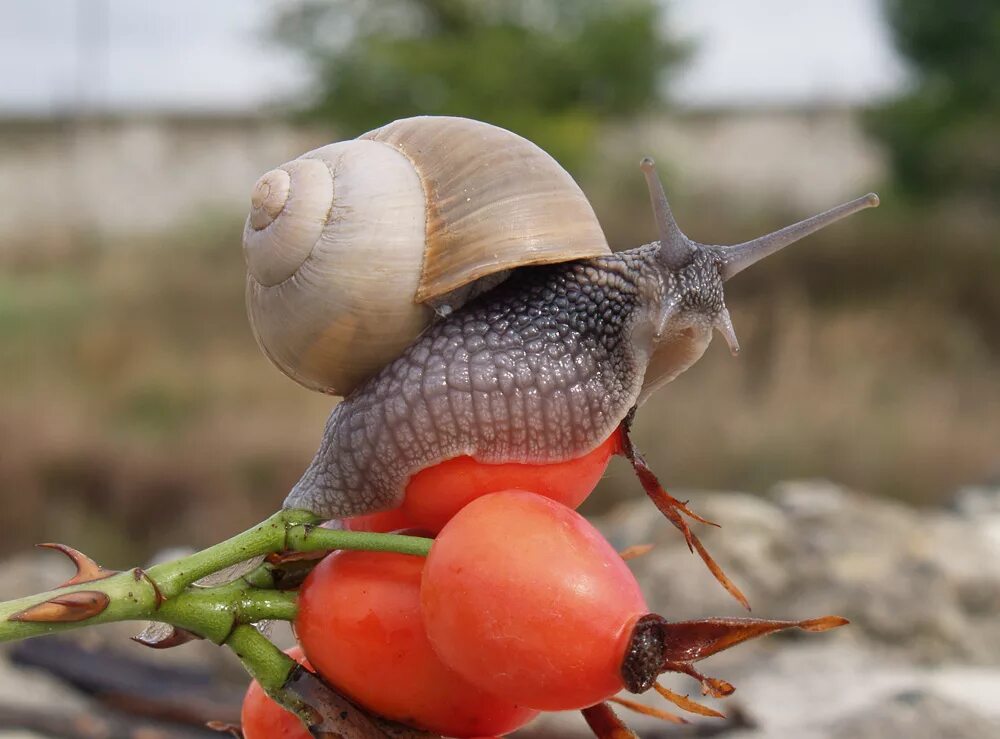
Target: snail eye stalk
x=675, y=248
x=737, y=258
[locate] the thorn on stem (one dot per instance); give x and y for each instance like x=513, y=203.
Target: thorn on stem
x=280, y=558
x=140, y=574
x=163, y=636
x=68, y=608
x=87, y=570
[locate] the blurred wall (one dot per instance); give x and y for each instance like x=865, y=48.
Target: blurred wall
x=61, y=178
x=802, y=159
x=64, y=177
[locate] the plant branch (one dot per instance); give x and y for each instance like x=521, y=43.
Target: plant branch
x=264, y=538
x=163, y=592
x=223, y=614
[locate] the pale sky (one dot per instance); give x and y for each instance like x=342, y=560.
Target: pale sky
x=212, y=54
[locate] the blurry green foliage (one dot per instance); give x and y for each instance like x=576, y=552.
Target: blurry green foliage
x=550, y=70
x=944, y=136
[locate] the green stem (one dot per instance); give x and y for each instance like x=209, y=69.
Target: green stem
x=129, y=598
x=311, y=539
x=266, y=664
x=208, y=612
x=264, y=538
x=270, y=667
x=213, y=613
x=222, y=614
x=324, y=711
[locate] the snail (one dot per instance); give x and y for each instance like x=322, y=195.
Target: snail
x=452, y=282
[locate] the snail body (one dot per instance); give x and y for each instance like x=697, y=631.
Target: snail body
x=538, y=369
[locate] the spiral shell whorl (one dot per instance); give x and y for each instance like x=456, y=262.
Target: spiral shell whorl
x=332, y=274
x=347, y=244
x=269, y=197
x=295, y=201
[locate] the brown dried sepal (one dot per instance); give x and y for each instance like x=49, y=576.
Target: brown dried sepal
x=687, y=642
x=670, y=718
x=672, y=509
x=691, y=641
x=712, y=686
x=686, y=704
x=87, y=570
x=605, y=724
x=67, y=608
x=656, y=646
x=635, y=551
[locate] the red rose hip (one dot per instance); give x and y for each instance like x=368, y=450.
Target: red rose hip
x=524, y=597
x=360, y=625
x=437, y=493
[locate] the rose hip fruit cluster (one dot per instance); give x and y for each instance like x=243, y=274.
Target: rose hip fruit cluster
x=521, y=606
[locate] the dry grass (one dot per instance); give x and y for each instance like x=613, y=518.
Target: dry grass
x=137, y=411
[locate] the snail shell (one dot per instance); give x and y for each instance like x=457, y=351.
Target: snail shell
x=349, y=246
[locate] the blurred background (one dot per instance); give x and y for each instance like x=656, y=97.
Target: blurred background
x=135, y=401
x=137, y=412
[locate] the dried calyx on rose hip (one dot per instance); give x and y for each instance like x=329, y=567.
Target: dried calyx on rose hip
x=523, y=597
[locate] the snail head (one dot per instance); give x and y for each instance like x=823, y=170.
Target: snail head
x=695, y=272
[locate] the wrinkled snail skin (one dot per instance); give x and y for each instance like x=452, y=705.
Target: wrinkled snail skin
x=541, y=369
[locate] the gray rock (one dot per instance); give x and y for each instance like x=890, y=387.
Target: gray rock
x=924, y=583
x=916, y=714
